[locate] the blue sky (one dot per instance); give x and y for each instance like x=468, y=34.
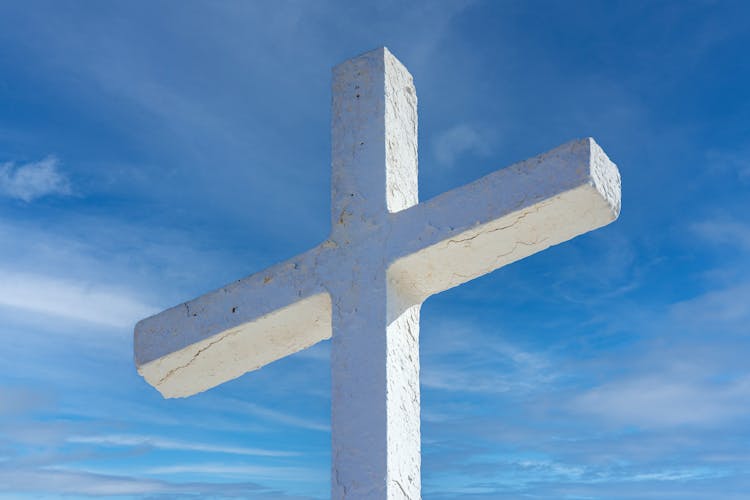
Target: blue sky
x=152, y=151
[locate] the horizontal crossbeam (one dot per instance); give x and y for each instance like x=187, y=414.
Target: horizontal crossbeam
x=501, y=218
x=238, y=328
x=430, y=247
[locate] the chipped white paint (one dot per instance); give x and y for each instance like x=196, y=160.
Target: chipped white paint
x=364, y=285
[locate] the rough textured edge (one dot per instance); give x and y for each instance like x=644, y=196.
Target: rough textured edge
x=606, y=177
x=401, y=156
x=403, y=406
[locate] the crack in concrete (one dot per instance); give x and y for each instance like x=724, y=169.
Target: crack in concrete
x=398, y=483
x=342, y=485
x=515, y=247
x=516, y=221
x=195, y=356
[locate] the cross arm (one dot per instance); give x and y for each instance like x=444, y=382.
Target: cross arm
x=502, y=217
x=238, y=328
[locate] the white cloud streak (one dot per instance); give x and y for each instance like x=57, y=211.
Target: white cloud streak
x=730, y=233
x=254, y=471
x=172, y=444
x=63, y=481
x=82, y=301
x=660, y=401
x=279, y=417
x=33, y=180
x=717, y=311
x=77, y=483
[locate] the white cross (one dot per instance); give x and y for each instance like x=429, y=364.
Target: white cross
x=364, y=285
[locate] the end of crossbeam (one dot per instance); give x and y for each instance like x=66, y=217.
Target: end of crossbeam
x=503, y=217
x=169, y=359
x=605, y=176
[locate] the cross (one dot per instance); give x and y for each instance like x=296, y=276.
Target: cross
x=363, y=286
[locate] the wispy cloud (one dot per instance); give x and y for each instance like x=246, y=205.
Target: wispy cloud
x=257, y=471
x=63, y=481
x=89, y=302
x=74, y=482
x=454, y=363
x=20, y=400
x=172, y=444
x=664, y=401
x=33, y=180
x=458, y=140
x=277, y=416
x=736, y=162
x=716, y=311
x=728, y=232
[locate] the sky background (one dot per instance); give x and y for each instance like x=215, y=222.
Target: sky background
x=152, y=151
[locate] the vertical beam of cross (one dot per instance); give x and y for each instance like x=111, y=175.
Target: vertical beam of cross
x=374, y=358
x=364, y=285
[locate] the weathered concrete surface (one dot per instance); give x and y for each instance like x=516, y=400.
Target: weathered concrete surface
x=364, y=285
x=374, y=358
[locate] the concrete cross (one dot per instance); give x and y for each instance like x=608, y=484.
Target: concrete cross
x=364, y=285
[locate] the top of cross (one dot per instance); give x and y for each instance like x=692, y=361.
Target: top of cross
x=371, y=177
